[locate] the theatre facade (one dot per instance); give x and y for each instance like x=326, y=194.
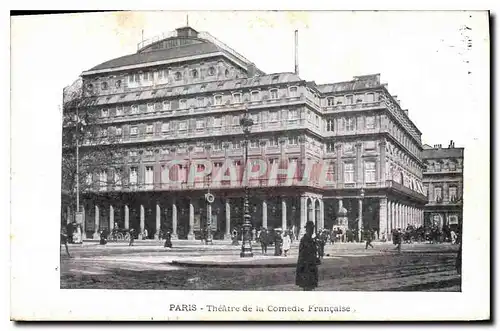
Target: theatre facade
x=168, y=119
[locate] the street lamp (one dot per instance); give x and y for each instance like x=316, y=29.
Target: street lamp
x=360, y=220
x=246, y=247
x=209, y=198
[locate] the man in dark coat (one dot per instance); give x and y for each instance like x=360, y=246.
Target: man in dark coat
x=263, y=240
x=64, y=240
x=369, y=238
x=307, y=263
x=132, y=237
x=168, y=240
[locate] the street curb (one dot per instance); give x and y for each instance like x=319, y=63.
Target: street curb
x=194, y=264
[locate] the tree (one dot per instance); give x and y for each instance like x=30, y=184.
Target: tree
x=100, y=158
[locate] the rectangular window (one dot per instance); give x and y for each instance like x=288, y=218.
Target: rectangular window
x=293, y=92
x=274, y=94
x=437, y=166
x=149, y=129
x=151, y=107
x=317, y=120
x=165, y=127
x=452, y=193
x=137, y=78
x=133, y=176
x=119, y=110
x=329, y=125
x=438, y=194
x=369, y=172
x=255, y=96
x=117, y=178
x=118, y=132
x=370, y=122
x=293, y=114
x=236, y=144
x=349, y=124
x=200, y=124
x=104, y=112
x=255, y=118
x=254, y=143
x=103, y=180
x=218, y=100
x=218, y=164
x=237, y=98
x=166, y=105
x=330, y=101
x=182, y=125
x=182, y=104
x=149, y=175
x=236, y=120
x=217, y=122
x=273, y=142
x=348, y=99
x=201, y=102
x=135, y=109
x=349, y=173
x=330, y=147
x=293, y=140
x=133, y=131
x=273, y=116
x=146, y=76
x=218, y=146
x=104, y=133
x=370, y=97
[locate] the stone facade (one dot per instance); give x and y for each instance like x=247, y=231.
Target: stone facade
x=186, y=110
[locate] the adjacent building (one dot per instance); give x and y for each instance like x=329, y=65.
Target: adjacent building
x=316, y=152
x=443, y=183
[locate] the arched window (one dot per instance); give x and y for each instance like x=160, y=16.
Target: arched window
x=104, y=85
x=211, y=71
x=178, y=75
x=194, y=73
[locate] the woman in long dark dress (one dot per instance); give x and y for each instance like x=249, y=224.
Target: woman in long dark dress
x=307, y=263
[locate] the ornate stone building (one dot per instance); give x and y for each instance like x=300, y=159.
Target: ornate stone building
x=176, y=104
x=443, y=184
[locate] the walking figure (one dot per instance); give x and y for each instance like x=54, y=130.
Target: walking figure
x=306, y=275
x=168, y=240
x=278, y=242
x=397, y=239
x=369, y=238
x=263, y=241
x=132, y=234
x=64, y=240
x=287, y=242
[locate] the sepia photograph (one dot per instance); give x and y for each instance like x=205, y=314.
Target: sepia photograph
x=230, y=152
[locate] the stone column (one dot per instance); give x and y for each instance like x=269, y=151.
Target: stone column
x=158, y=222
x=359, y=165
x=227, y=234
x=264, y=214
x=191, y=220
x=321, y=213
x=96, y=222
x=283, y=213
x=141, y=223
x=383, y=218
x=381, y=177
x=127, y=220
x=111, y=217
x=174, y=221
x=360, y=219
x=303, y=217
x=312, y=216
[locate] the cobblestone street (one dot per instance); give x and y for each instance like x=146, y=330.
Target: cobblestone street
x=346, y=267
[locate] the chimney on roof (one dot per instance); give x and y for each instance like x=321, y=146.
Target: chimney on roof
x=297, y=52
x=452, y=144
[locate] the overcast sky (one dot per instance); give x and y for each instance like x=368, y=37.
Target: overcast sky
x=421, y=55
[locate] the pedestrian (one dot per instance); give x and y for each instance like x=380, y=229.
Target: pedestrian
x=321, y=240
x=132, y=235
x=278, y=242
x=64, y=240
x=398, y=238
x=104, y=239
x=369, y=238
x=263, y=241
x=306, y=275
x=254, y=234
x=168, y=240
x=234, y=237
x=287, y=242
x=145, y=234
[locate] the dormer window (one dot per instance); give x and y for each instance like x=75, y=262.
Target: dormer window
x=274, y=94
x=226, y=73
x=218, y=100
x=201, y=102
x=348, y=99
x=293, y=92
x=104, y=112
x=211, y=71
x=119, y=110
x=237, y=98
x=275, y=79
x=255, y=96
x=166, y=105
x=194, y=73
x=151, y=107
x=104, y=85
x=134, y=109
x=118, y=83
x=178, y=76
x=183, y=104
